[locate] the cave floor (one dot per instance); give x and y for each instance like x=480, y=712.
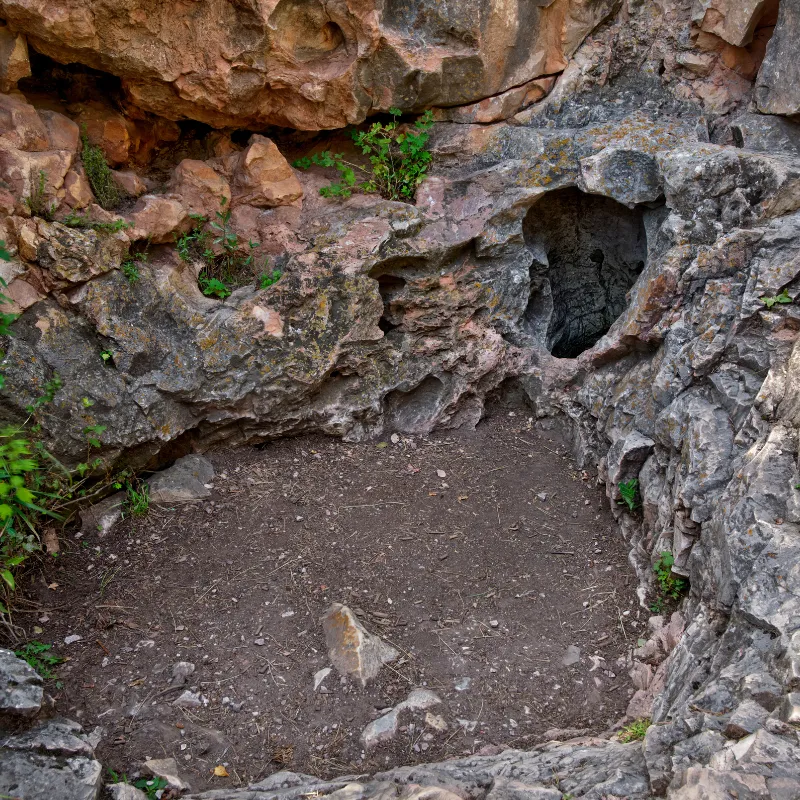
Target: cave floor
x=485, y=558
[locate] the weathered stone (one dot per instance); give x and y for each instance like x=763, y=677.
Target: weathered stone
x=747, y=719
x=101, y=517
x=351, y=648
x=262, y=177
x=200, y=188
x=14, y=61
x=77, y=191
x=158, y=219
x=778, y=82
x=124, y=791
x=384, y=728
x=184, y=482
x=20, y=125
x=129, y=182
x=166, y=768
x=336, y=62
x=62, y=132
x=77, y=255
x=107, y=129
x=20, y=686
x=704, y=784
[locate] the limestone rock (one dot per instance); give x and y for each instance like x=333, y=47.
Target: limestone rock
x=20, y=686
x=101, y=517
x=20, y=125
x=185, y=481
x=77, y=191
x=778, y=82
x=351, y=648
x=124, y=791
x=305, y=64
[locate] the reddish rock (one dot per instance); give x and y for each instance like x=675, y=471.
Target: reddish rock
x=158, y=218
x=263, y=178
x=62, y=132
x=129, y=182
x=14, y=61
x=20, y=125
x=21, y=172
x=201, y=189
x=107, y=129
x=304, y=63
x=77, y=192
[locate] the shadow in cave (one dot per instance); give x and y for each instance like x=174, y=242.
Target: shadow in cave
x=588, y=251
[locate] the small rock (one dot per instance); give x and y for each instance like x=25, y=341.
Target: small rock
x=572, y=656
x=185, y=481
x=469, y=725
x=385, y=728
x=166, y=768
x=351, y=648
x=542, y=496
x=435, y=721
x=494, y=623
x=259, y=642
x=320, y=676
x=181, y=672
x=395, y=438
x=441, y=473
x=72, y=638
x=189, y=700
x=124, y=791
x=462, y=684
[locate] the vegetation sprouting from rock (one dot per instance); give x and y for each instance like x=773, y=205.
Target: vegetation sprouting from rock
x=398, y=158
x=99, y=175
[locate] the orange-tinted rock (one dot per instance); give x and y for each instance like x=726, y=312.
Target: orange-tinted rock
x=158, y=219
x=62, y=132
x=308, y=64
x=14, y=61
x=22, y=171
x=262, y=177
x=77, y=192
x=201, y=189
x=107, y=129
x=129, y=182
x=20, y=125
x=735, y=21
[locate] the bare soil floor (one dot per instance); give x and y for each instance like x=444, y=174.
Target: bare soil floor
x=485, y=558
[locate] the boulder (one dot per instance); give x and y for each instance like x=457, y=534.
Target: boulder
x=351, y=648
x=20, y=686
x=200, y=188
x=262, y=177
x=129, y=182
x=62, y=132
x=158, y=219
x=20, y=125
x=184, y=482
x=107, y=129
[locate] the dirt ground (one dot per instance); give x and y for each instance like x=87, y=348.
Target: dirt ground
x=485, y=558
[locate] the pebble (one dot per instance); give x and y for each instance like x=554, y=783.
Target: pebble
x=462, y=684
x=494, y=623
x=72, y=638
x=572, y=656
x=542, y=496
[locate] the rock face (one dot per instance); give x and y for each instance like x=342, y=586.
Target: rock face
x=304, y=63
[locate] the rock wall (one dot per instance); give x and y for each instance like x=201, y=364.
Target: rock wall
x=392, y=316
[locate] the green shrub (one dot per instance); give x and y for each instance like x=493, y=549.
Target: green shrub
x=635, y=731
x=99, y=175
x=37, y=203
x=627, y=491
x=217, y=245
x=399, y=160
x=671, y=585
x=37, y=655
x=265, y=280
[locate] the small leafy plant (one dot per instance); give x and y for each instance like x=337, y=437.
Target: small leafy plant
x=226, y=261
x=635, y=731
x=265, y=280
x=399, y=159
x=99, y=175
x=38, y=655
x=782, y=298
x=37, y=203
x=671, y=585
x=137, y=499
x=627, y=491
x=130, y=266
x=150, y=786
x=108, y=357
x=75, y=220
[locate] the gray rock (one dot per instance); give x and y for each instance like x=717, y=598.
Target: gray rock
x=778, y=81
x=124, y=791
x=181, y=672
x=747, y=719
x=101, y=517
x=572, y=656
x=166, y=768
x=21, y=689
x=184, y=482
x=385, y=728
x=35, y=776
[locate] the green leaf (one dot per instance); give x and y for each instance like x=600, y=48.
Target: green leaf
x=8, y=578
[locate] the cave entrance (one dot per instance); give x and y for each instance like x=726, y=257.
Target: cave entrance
x=588, y=252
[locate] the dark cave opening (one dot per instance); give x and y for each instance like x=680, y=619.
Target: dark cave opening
x=390, y=287
x=588, y=251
